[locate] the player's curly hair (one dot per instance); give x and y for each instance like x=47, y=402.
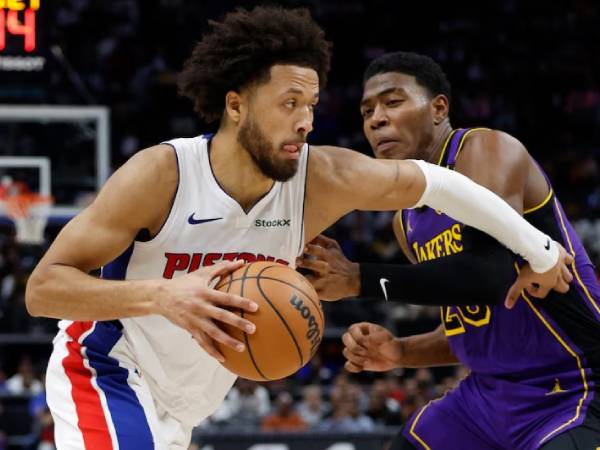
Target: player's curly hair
x=241, y=49
x=426, y=71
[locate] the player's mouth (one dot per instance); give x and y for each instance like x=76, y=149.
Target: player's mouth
x=383, y=146
x=292, y=149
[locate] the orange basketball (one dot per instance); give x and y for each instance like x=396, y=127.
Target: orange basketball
x=289, y=321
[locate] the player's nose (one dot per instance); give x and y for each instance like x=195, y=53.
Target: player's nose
x=379, y=118
x=304, y=125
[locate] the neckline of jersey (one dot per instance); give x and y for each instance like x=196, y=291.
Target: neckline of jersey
x=219, y=189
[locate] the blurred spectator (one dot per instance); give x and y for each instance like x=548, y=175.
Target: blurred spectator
x=43, y=428
x=244, y=407
x=425, y=384
x=284, y=418
x=312, y=408
x=24, y=382
x=346, y=416
x=384, y=410
x=43, y=423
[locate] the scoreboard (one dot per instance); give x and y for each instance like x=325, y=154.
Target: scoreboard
x=22, y=46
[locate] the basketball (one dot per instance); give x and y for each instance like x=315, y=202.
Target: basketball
x=289, y=321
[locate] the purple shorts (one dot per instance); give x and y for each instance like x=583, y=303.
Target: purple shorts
x=485, y=413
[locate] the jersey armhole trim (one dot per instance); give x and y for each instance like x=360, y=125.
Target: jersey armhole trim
x=301, y=243
x=464, y=137
x=542, y=204
x=412, y=258
x=162, y=230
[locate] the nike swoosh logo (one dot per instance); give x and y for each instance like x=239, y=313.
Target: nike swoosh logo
x=193, y=221
x=547, y=246
x=382, y=282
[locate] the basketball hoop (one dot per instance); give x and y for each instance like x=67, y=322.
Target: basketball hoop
x=29, y=212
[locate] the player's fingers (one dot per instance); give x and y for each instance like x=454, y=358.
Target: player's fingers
x=208, y=346
x=565, y=257
x=316, y=265
x=562, y=286
x=353, y=357
x=224, y=268
x=351, y=344
x=312, y=279
x=230, y=300
x=513, y=294
x=326, y=242
x=351, y=367
x=362, y=328
x=215, y=333
x=377, y=337
x=569, y=259
x=317, y=251
x=231, y=318
x=359, y=333
x=566, y=274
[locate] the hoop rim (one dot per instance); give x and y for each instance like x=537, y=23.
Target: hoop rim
x=18, y=206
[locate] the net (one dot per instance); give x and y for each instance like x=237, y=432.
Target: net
x=28, y=211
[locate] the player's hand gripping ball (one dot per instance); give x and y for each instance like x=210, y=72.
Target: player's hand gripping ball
x=289, y=321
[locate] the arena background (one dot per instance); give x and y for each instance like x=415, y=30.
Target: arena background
x=529, y=68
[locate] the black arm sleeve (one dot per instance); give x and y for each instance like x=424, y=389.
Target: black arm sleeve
x=480, y=275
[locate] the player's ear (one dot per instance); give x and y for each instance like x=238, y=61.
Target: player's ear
x=233, y=103
x=439, y=108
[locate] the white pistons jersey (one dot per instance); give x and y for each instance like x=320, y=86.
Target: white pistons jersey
x=204, y=226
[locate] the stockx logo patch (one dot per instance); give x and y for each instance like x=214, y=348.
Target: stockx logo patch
x=272, y=223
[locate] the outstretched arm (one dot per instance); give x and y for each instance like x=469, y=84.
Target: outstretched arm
x=445, y=281
x=341, y=180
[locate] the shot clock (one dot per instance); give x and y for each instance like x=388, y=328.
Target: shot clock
x=21, y=36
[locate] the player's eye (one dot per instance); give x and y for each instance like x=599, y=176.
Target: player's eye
x=394, y=102
x=291, y=104
x=366, y=113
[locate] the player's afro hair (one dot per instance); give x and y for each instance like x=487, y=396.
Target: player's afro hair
x=242, y=48
x=426, y=71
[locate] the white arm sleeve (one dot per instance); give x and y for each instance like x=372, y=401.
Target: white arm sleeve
x=466, y=201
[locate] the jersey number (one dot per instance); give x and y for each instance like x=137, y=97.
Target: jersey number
x=455, y=318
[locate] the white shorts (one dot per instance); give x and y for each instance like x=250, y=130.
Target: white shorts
x=99, y=400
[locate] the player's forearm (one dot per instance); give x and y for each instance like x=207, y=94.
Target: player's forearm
x=445, y=281
x=65, y=292
x=426, y=350
x=466, y=201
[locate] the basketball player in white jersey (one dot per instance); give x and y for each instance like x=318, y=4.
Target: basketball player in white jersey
x=134, y=364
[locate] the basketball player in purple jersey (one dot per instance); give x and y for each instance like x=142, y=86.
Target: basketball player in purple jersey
x=535, y=369
x=134, y=364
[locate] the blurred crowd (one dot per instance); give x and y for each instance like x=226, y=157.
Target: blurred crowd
x=529, y=68
x=326, y=402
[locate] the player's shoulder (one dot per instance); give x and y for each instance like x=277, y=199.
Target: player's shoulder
x=157, y=157
x=145, y=183
x=485, y=144
x=156, y=164
x=149, y=173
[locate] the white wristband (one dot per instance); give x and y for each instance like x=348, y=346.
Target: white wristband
x=464, y=200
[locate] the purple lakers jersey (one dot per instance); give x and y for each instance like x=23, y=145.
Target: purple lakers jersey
x=552, y=346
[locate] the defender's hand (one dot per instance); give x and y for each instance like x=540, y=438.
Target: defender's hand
x=334, y=277
x=368, y=346
x=539, y=284
x=191, y=304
